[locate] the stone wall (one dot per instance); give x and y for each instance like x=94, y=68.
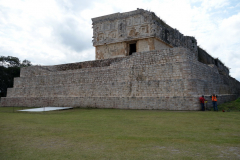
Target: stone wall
x=158, y=103
x=169, y=79
x=205, y=58
x=158, y=44
x=51, y=70
x=111, y=50
x=121, y=49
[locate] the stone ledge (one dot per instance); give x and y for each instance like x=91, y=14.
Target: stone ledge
x=158, y=103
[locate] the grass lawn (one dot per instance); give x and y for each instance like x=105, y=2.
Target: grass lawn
x=119, y=134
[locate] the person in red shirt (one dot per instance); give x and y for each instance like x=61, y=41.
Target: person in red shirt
x=202, y=99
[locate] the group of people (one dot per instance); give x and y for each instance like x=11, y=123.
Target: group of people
x=214, y=102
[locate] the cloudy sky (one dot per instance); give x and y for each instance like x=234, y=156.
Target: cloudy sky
x=50, y=32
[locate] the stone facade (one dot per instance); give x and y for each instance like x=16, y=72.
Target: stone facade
x=165, y=75
x=114, y=34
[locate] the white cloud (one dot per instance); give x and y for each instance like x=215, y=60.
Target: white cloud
x=226, y=43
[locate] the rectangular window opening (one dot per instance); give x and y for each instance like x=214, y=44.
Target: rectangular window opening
x=132, y=48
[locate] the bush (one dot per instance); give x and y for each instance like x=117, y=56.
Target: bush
x=230, y=106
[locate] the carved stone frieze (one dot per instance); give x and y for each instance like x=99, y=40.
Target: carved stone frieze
x=134, y=25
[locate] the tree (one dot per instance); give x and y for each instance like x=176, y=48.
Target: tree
x=26, y=63
x=10, y=68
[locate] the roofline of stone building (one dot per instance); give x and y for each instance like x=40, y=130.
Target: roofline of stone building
x=123, y=15
x=118, y=15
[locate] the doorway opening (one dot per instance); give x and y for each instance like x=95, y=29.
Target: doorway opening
x=166, y=35
x=132, y=48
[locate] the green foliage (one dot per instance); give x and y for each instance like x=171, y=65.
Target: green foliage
x=119, y=134
x=10, y=68
x=9, y=61
x=237, y=100
x=26, y=63
x=230, y=106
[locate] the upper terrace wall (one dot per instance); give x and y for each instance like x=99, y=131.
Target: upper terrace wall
x=156, y=73
x=35, y=75
x=206, y=80
x=205, y=58
x=170, y=79
x=173, y=73
x=170, y=72
x=46, y=70
x=167, y=67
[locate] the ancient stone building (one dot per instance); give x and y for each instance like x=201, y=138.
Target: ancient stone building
x=121, y=34
x=141, y=63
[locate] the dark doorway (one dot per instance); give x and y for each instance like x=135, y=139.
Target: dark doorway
x=166, y=35
x=132, y=48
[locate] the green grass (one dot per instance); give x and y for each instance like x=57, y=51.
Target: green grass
x=230, y=106
x=119, y=134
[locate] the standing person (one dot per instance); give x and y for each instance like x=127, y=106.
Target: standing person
x=214, y=102
x=202, y=99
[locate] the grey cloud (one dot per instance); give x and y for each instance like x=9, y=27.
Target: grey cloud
x=4, y=14
x=76, y=5
x=72, y=34
x=8, y=52
x=4, y=52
